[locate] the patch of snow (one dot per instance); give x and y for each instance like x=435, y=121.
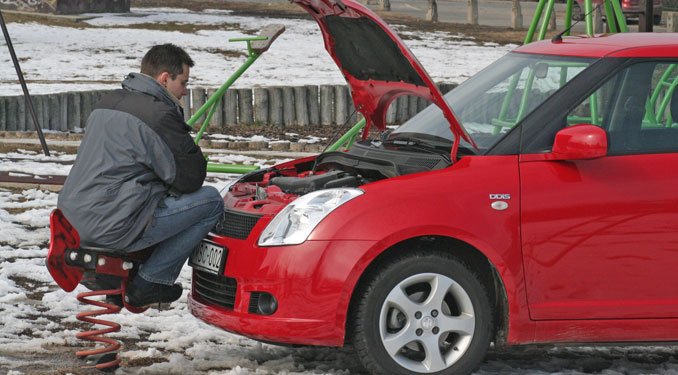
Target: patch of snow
x=59, y=59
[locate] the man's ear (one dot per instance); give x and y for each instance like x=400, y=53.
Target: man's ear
x=162, y=78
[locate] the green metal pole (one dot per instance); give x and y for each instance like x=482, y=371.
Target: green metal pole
x=663, y=81
x=593, y=102
x=547, y=19
x=505, y=105
x=665, y=102
x=535, y=20
x=207, y=120
x=526, y=94
x=652, y=116
x=234, y=168
x=251, y=58
x=611, y=17
x=350, y=135
x=217, y=95
x=211, y=104
x=621, y=20
x=589, y=17
x=568, y=16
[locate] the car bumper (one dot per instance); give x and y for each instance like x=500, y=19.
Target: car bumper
x=311, y=282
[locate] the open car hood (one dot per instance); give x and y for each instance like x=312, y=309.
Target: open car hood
x=376, y=63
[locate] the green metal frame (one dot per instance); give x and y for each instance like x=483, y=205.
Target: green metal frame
x=662, y=94
x=612, y=10
x=503, y=121
x=212, y=104
x=543, y=13
x=349, y=138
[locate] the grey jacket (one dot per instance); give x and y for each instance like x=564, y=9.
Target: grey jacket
x=136, y=149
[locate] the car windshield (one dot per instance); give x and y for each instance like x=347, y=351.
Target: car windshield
x=495, y=100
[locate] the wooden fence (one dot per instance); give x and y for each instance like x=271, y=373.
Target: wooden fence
x=325, y=105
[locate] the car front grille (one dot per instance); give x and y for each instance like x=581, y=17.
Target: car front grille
x=219, y=290
x=236, y=224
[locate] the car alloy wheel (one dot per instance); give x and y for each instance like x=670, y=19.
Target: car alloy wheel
x=427, y=322
x=423, y=314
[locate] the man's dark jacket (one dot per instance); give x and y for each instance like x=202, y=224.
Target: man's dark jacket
x=136, y=149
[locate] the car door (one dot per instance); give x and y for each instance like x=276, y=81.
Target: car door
x=600, y=237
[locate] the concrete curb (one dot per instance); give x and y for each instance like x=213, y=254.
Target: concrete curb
x=60, y=145
x=71, y=141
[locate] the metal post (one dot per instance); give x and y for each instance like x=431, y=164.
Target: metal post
x=588, y=8
x=27, y=96
x=535, y=21
x=621, y=19
x=347, y=139
x=234, y=168
x=611, y=18
x=646, y=19
x=547, y=18
x=568, y=17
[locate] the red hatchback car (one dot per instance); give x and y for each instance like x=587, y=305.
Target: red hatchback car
x=550, y=216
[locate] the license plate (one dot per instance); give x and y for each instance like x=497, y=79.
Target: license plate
x=208, y=257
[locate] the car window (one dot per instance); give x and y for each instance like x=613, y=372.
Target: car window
x=498, y=98
x=516, y=96
x=637, y=106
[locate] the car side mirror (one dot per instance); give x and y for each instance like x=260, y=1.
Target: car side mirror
x=580, y=142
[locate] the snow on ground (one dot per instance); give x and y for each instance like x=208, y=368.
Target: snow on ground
x=38, y=326
x=60, y=59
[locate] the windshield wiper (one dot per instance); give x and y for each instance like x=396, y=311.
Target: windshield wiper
x=416, y=144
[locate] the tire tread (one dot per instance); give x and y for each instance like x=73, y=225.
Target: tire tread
x=358, y=327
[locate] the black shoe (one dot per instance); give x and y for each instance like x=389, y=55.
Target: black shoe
x=114, y=299
x=96, y=281
x=142, y=293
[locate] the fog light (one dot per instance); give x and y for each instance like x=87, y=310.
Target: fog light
x=262, y=303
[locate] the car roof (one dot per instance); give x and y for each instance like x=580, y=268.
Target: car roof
x=608, y=45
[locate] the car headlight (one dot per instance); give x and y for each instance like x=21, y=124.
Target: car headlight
x=294, y=223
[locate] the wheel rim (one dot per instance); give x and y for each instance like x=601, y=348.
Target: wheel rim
x=427, y=322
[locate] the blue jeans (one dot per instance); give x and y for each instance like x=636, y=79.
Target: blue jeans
x=179, y=223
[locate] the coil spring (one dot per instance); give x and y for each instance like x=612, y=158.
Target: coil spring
x=109, y=351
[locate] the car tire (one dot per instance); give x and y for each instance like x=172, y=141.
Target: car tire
x=422, y=313
x=577, y=14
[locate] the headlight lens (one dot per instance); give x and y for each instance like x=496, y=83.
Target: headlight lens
x=294, y=223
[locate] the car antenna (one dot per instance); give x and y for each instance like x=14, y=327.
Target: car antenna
x=558, y=38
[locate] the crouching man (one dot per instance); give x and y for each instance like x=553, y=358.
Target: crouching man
x=137, y=179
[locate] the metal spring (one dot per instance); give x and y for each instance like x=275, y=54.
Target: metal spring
x=111, y=345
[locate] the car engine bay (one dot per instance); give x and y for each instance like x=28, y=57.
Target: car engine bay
x=268, y=190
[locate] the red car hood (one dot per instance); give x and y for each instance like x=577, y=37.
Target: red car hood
x=376, y=63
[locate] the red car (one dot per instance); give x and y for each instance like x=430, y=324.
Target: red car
x=535, y=203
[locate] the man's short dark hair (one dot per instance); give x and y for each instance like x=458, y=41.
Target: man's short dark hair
x=165, y=58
